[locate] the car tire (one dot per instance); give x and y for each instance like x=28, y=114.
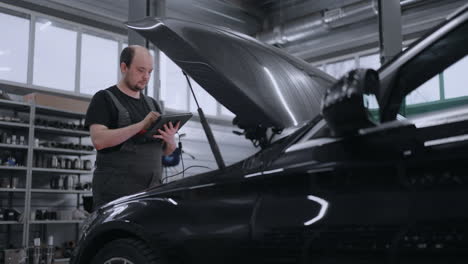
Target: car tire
x=126, y=251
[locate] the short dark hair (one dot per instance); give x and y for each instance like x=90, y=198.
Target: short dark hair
x=126, y=56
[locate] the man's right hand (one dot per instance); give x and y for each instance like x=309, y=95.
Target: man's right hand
x=149, y=119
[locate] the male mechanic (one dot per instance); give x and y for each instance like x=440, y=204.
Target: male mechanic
x=127, y=162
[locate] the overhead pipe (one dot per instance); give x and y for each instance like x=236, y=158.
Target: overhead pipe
x=415, y=21
x=322, y=22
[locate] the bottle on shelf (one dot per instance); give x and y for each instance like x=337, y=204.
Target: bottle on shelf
x=49, y=254
x=37, y=251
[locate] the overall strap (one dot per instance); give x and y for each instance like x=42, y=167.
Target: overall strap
x=123, y=114
x=152, y=104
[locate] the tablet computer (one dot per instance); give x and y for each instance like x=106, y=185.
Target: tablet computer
x=165, y=119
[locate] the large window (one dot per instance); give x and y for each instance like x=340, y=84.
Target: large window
x=176, y=94
x=456, y=79
x=54, y=56
x=205, y=100
x=173, y=85
x=428, y=92
x=338, y=69
x=226, y=112
x=370, y=62
x=99, y=63
x=444, y=63
x=151, y=80
x=14, y=33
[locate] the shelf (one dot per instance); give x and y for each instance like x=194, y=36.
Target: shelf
x=12, y=190
x=65, y=151
x=62, y=171
x=61, y=260
x=45, y=110
x=60, y=191
x=13, y=146
x=10, y=223
x=22, y=168
x=13, y=124
x=19, y=106
x=19, y=119
x=62, y=131
x=56, y=221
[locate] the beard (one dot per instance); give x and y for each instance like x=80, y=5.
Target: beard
x=134, y=87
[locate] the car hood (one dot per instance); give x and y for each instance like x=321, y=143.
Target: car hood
x=260, y=84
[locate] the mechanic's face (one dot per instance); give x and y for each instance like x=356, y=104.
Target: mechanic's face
x=138, y=74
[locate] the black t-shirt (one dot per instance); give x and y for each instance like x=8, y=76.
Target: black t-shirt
x=102, y=111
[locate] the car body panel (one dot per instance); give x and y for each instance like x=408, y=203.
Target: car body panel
x=260, y=84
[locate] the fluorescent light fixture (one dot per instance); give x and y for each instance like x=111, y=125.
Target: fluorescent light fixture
x=5, y=69
x=323, y=209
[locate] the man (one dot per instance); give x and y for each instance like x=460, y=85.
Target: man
x=127, y=162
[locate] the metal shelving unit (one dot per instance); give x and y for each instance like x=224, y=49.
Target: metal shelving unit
x=17, y=106
x=60, y=191
x=56, y=221
x=45, y=110
x=13, y=124
x=62, y=131
x=21, y=168
x=32, y=130
x=65, y=151
x=13, y=146
x=10, y=223
x=12, y=190
x=50, y=170
x=62, y=260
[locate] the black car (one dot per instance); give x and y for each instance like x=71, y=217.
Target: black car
x=334, y=182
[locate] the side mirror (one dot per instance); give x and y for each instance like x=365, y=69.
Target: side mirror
x=343, y=104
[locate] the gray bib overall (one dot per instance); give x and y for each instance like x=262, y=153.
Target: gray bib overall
x=133, y=168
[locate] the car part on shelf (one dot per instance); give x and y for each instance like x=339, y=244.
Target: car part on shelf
x=54, y=162
x=87, y=165
x=77, y=164
x=4, y=137
x=10, y=214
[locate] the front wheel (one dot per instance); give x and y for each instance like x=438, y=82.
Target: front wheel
x=126, y=251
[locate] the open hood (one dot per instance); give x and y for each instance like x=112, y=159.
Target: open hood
x=261, y=85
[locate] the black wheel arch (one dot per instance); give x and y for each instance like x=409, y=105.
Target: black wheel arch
x=113, y=231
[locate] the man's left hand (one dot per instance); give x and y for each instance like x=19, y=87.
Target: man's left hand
x=167, y=135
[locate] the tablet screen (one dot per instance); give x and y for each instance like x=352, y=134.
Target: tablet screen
x=165, y=119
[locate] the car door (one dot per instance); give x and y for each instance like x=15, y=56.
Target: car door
x=328, y=214
x=213, y=219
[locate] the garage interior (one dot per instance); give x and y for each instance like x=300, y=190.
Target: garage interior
x=56, y=54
